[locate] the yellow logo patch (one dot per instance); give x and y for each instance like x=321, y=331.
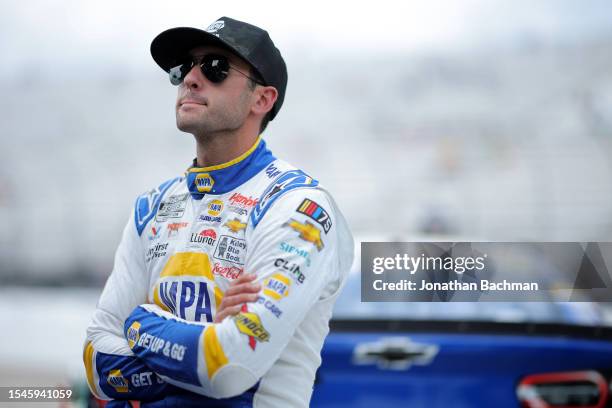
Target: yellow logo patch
x=204, y=182
x=117, y=381
x=249, y=323
x=308, y=232
x=277, y=286
x=235, y=225
x=133, y=334
x=215, y=207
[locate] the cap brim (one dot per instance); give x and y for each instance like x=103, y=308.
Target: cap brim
x=169, y=47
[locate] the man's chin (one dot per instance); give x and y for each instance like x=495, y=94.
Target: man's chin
x=187, y=127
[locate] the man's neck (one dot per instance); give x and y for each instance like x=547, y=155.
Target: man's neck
x=216, y=149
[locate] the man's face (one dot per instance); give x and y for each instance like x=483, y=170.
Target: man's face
x=204, y=107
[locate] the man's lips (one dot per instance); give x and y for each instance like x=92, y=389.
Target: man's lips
x=191, y=102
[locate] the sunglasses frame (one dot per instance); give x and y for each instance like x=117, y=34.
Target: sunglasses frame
x=208, y=64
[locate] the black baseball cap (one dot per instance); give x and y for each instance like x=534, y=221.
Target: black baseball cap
x=249, y=42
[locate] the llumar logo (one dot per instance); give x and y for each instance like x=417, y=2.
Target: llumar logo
x=133, y=334
x=204, y=182
x=249, y=323
x=117, y=381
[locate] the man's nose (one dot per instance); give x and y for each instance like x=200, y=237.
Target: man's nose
x=194, y=78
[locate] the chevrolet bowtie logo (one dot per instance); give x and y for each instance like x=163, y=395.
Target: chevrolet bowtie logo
x=235, y=225
x=308, y=232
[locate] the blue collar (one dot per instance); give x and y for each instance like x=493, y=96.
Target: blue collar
x=226, y=177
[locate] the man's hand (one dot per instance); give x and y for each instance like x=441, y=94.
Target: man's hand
x=241, y=291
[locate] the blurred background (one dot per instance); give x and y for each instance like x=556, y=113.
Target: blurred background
x=480, y=119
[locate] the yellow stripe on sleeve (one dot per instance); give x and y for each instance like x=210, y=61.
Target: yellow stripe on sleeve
x=88, y=356
x=213, y=352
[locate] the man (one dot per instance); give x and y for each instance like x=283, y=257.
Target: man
x=224, y=280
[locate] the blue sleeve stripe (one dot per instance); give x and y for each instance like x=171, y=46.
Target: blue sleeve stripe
x=287, y=181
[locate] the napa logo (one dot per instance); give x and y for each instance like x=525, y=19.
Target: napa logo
x=133, y=334
x=117, y=381
x=204, y=182
x=215, y=207
x=277, y=286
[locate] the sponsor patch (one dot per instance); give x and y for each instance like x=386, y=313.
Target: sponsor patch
x=215, y=207
x=238, y=210
x=249, y=323
x=231, y=249
x=172, y=207
x=293, y=250
x=208, y=218
x=270, y=306
x=133, y=334
x=206, y=236
x=235, y=225
x=228, y=272
x=316, y=212
x=277, y=286
x=242, y=201
x=204, y=182
x=185, y=299
x=117, y=381
x=158, y=345
x=292, y=269
x=156, y=251
x=174, y=228
x=307, y=231
x=155, y=232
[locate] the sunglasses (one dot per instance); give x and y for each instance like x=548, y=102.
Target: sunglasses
x=214, y=67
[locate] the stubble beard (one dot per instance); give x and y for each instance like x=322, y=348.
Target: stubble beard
x=216, y=120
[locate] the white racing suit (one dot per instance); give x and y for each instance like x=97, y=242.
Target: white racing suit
x=152, y=336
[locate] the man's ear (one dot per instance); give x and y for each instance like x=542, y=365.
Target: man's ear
x=265, y=96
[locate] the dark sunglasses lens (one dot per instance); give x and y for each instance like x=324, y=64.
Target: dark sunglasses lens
x=215, y=68
x=178, y=73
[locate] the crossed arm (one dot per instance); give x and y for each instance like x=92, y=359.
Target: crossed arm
x=127, y=370
x=152, y=354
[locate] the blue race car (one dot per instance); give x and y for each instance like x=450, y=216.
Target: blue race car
x=416, y=354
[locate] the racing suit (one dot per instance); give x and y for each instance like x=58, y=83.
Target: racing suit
x=152, y=336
